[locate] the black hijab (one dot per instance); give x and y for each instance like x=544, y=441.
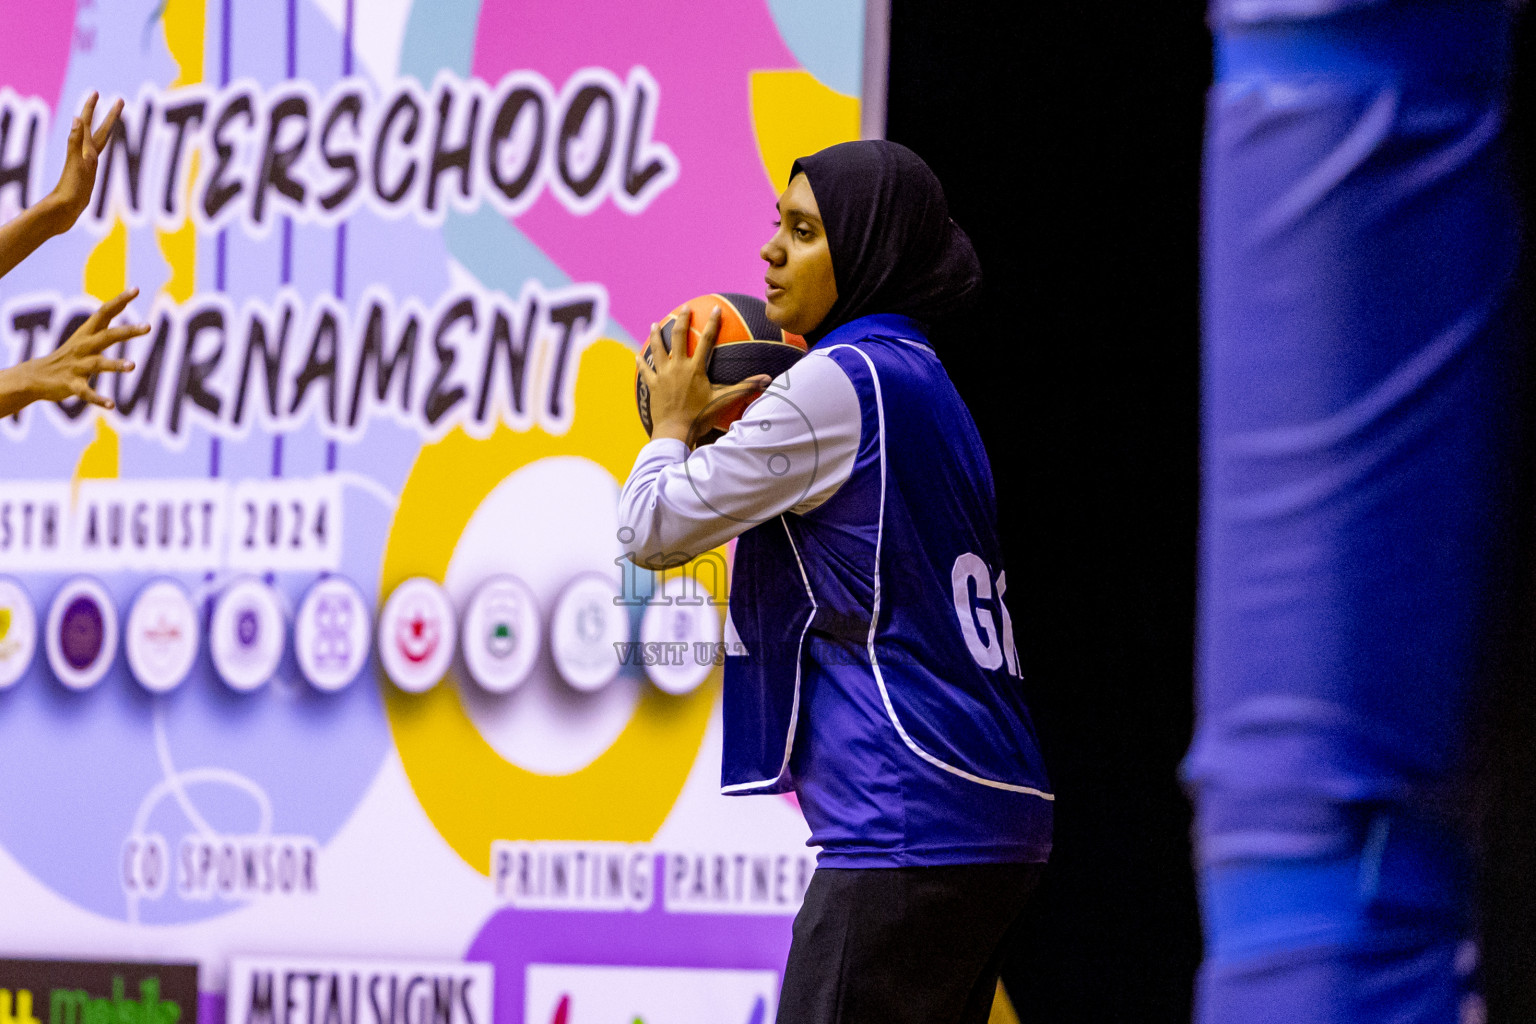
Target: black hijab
x=894, y=248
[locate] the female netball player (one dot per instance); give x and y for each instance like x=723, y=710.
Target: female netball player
x=65, y=372
x=872, y=666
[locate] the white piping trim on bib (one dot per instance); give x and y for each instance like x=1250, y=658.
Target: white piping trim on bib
x=875, y=618
x=794, y=710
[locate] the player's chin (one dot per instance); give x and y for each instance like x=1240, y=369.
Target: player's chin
x=778, y=310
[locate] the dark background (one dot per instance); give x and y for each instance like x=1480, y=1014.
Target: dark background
x=1068, y=140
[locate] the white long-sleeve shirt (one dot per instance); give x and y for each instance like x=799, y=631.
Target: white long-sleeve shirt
x=791, y=451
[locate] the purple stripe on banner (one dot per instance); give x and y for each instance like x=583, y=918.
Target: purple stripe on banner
x=224, y=37
x=293, y=38
x=221, y=257
x=340, y=284
x=293, y=69
x=346, y=42
x=285, y=271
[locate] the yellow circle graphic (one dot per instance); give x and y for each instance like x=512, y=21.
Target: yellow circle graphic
x=470, y=792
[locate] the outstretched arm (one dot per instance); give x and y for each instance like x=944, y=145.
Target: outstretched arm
x=66, y=372
x=57, y=212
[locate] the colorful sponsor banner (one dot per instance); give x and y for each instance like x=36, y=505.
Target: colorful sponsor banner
x=330, y=616
x=561, y=993
x=83, y=992
x=281, y=990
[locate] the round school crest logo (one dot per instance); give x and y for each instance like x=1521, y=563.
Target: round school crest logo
x=161, y=636
x=331, y=633
x=81, y=633
x=18, y=632
x=501, y=634
x=246, y=635
x=416, y=632
x=678, y=634
x=587, y=631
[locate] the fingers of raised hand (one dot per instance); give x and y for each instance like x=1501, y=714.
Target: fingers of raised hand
x=86, y=393
x=751, y=386
x=644, y=366
x=103, y=340
x=707, y=338
x=103, y=365
x=682, y=323
x=109, y=309
x=100, y=135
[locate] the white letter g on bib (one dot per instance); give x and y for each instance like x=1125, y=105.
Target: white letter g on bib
x=990, y=645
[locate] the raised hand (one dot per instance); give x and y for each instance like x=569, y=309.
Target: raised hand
x=72, y=194
x=66, y=372
x=684, y=404
x=57, y=212
x=679, y=381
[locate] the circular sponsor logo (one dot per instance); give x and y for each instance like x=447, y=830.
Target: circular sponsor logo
x=160, y=637
x=81, y=637
x=587, y=624
x=416, y=632
x=246, y=635
x=331, y=633
x=18, y=632
x=500, y=638
x=679, y=632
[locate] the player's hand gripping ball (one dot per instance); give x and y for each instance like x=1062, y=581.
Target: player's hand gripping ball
x=748, y=344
